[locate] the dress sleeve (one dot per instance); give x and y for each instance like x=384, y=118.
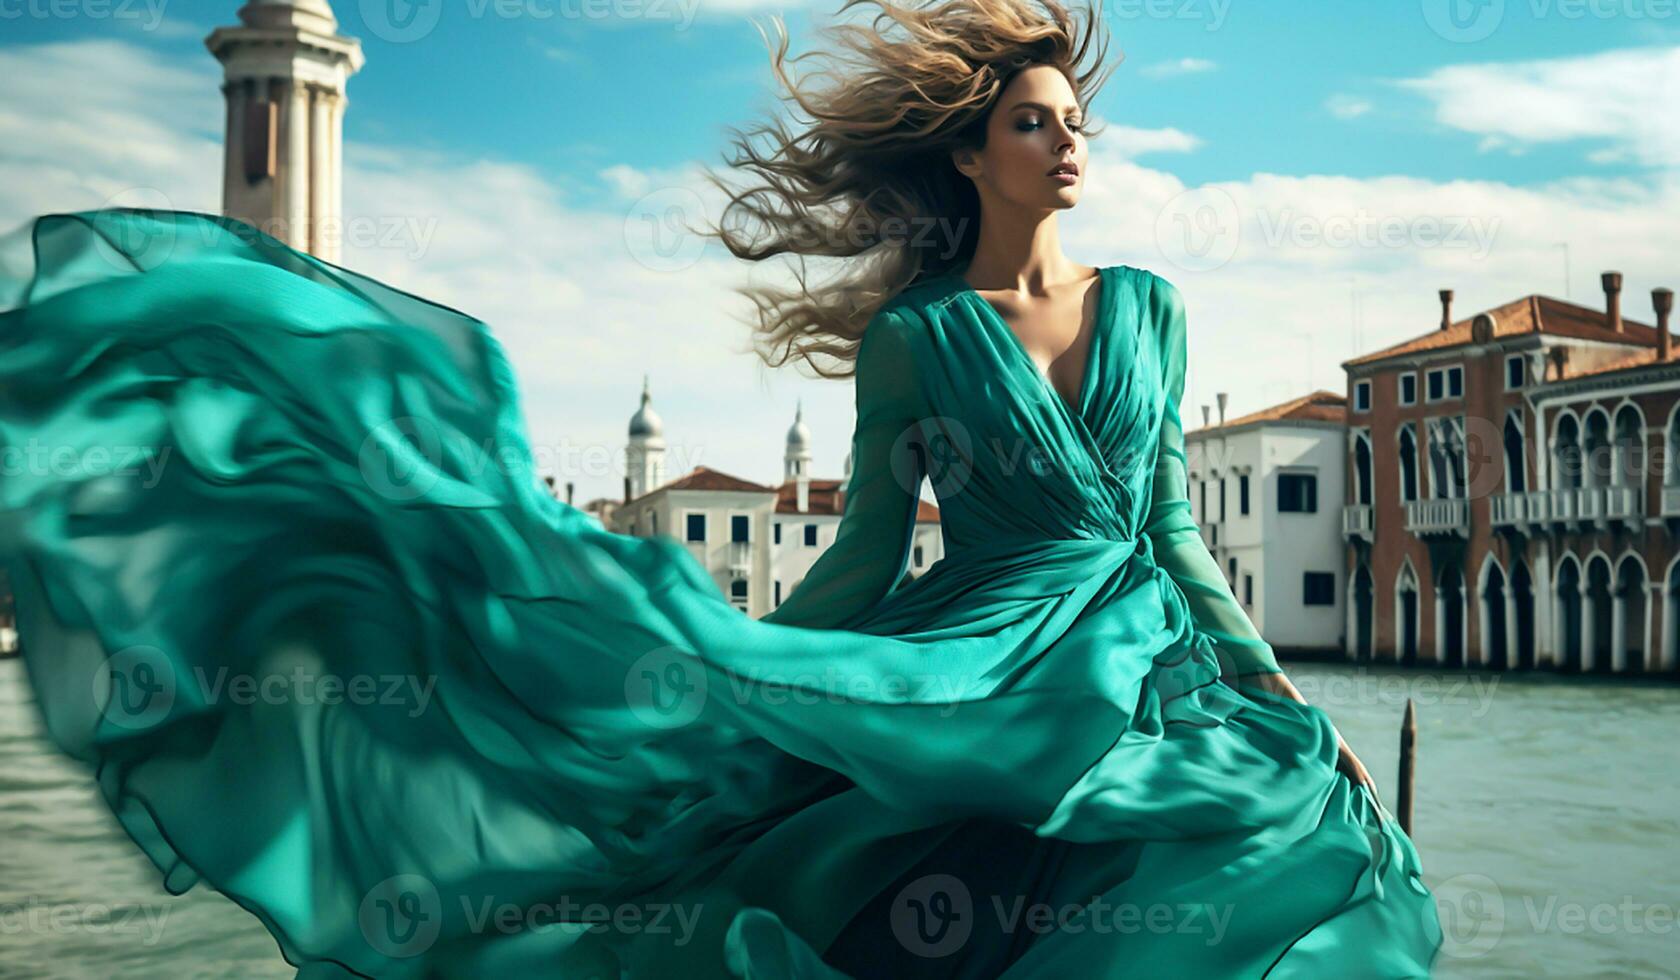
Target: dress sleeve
x=1174, y=536
x=871, y=549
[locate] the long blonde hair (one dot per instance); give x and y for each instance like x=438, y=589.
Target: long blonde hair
x=871, y=176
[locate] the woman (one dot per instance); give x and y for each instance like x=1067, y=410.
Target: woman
x=576, y=759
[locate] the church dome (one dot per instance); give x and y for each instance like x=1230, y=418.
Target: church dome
x=799, y=434
x=646, y=422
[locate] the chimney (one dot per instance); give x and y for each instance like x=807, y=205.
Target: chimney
x=802, y=492
x=569, y=486
x=1221, y=397
x=1613, y=300
x=626, y=489
x=1446, y=309
x=1207, y=416
x=1662, y=300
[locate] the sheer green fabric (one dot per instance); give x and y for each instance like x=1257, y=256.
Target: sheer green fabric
x=286, y=579
x=1178, y=544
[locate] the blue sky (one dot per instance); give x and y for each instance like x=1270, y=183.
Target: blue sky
x=511, y=143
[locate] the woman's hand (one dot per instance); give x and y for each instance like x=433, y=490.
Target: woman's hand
x=1347, y=763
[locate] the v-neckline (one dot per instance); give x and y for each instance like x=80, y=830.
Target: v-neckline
x=1099, y=326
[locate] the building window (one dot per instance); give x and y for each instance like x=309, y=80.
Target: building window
x=1297, y=493
x=1204, y=501
x=1232, y=566
x=739, y=524
x=1362, y=396
x=1446, y=383
x=1242, y=494
x=697, y=527
x=918, y=556
x=1408, y=464
x=1248, y=589
x=1222, y=498
x=653, y=518
x=1515, y=375
x=1215, y=535
x=738, y=593
x=810, y=535
x=1318, y=588
x=1408, y=388
x=778, y=592
x=776, y=533
x=1446, y=457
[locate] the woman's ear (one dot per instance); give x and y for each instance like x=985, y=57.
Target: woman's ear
x=967, y=162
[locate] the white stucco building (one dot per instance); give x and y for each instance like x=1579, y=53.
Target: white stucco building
x=757, y=539
x=1266, y=489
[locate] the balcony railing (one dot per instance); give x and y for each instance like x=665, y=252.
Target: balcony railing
x=1624, y=504
x=1671, y=501
x=1444, y=515
x=1357, y=521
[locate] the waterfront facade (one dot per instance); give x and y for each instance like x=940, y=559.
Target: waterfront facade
x=1264, y=488
x=757, y=540
x=1511, y=497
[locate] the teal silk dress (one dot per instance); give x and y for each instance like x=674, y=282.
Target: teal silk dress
x=286, y=578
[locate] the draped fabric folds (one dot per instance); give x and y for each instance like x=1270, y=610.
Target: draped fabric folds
x=286, y=579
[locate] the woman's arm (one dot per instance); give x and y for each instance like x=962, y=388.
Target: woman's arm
x=1178, y=543
x=1174, y=537
x=872, y=547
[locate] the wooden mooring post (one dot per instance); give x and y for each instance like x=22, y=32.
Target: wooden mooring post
x=1408, y=767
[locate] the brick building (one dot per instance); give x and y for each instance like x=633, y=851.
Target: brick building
x=1511, y=498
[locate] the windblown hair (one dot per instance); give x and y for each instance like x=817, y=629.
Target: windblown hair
x=872, y=177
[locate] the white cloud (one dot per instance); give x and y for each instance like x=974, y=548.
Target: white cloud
x=1628, y=99
x=1180, y=67
x=1347, y=106
x=1130, y=141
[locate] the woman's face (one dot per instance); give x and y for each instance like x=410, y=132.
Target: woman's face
x=1033, y=129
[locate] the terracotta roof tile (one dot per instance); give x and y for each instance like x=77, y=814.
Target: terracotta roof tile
x=1527, y=315
x=706, y=478
x=1317, y=406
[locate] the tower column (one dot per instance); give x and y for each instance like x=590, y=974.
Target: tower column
x=287, y=54
x=323, y=240
x=296, y=228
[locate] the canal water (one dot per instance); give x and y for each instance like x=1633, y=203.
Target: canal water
x=1548, y=817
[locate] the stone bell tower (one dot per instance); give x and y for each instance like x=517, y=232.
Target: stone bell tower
x=285, y=69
